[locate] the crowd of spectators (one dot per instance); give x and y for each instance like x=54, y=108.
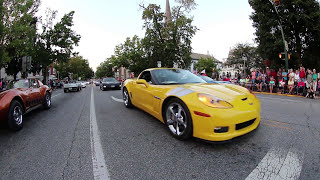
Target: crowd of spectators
x=303, y=82
x=3, y=84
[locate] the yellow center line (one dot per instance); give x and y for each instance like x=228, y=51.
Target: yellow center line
x=282, y=123
x=282, y=127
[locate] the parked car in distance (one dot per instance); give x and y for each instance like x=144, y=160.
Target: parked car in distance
x=98, y=82
x=83, y=84
x=72, y=86
x=22, y=97
x=110, y=83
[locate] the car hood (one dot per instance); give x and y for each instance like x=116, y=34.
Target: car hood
x=110, y=82
x=227, y=92
x=2, y=94
x=71, y=84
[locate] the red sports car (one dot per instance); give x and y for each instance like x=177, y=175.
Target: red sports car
x=21, y=97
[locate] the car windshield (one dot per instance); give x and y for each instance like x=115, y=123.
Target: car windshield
x=175, y=76
x=23, y=83
x=109, y=80
x=206, y=78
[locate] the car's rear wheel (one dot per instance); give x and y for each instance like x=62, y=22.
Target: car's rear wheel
x=47, y=101
x=178, y=119
x=126, y=98
x=15, y=116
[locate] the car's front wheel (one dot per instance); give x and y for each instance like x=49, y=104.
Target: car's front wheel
x=126, y=98
x=47, y=101
x=178, y=119
x=66, y=90
x=15, y=116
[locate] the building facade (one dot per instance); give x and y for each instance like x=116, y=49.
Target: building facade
x=195, y=57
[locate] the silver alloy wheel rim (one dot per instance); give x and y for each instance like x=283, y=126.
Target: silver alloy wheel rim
x=125, y=97
x=48, y=99
x=176, y=119
x=17, y=115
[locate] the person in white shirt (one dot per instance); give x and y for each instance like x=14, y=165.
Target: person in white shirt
x=291, y=74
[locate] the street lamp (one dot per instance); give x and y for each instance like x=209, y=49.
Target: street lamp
x=275, y=3
x=244, y=65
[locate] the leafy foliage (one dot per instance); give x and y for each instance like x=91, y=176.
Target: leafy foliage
x=165, y=41
x=105, y=69
x=206, y=64
x=301, y=25
x=131, y=55
x=245, y=52
x=169, y=42
x=55, y=42
x=18, y=32
x=77, y=65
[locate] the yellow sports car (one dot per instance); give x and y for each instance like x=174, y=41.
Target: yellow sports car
x=191, y=107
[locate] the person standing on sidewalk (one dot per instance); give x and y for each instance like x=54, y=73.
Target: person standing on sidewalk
x=302, y=74
x=253, y=76
x=309, y=80
x=315, y=80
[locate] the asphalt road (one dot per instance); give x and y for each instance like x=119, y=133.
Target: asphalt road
x=64, y=143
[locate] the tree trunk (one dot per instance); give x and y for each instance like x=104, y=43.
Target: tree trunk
x=44, y=74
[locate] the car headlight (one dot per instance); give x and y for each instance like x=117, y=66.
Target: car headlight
x=213, y=101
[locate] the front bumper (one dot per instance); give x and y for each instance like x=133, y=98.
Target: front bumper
x=225, y=124
x=111, y=86
x=72, y=88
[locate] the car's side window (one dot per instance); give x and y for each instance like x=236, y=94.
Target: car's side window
x=146, y=75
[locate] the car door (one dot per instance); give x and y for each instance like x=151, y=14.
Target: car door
x=35, y=95
x=142, y=94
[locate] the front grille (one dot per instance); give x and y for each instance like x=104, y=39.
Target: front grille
x=244, y=124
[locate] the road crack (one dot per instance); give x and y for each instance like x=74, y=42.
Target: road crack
x=308, y=118
x=73, y=140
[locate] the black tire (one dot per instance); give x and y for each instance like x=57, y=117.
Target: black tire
x=126, y=98
x=66, y=90
x=13, y=123
x=47, y=101
x=182, y=121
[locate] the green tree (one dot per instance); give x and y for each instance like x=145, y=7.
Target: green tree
x=207, y=64
x=170, y=41
x=76, y=65
x=105, y=69
x=247, y=53
x=131, y=55
x=55, y=42
x=301, y=26
x=18, y=32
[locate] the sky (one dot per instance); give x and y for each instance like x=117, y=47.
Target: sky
x=103, y=24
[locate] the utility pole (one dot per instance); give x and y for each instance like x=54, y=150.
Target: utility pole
x=275, y=3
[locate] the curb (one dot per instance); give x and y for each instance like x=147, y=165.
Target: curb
x=276, y=94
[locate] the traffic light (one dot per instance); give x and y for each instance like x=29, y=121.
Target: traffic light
x=276, y=2
x=282, y=56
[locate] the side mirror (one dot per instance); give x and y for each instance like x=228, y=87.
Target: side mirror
x=142, y=81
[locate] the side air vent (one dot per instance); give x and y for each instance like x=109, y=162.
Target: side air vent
x=244, y=99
